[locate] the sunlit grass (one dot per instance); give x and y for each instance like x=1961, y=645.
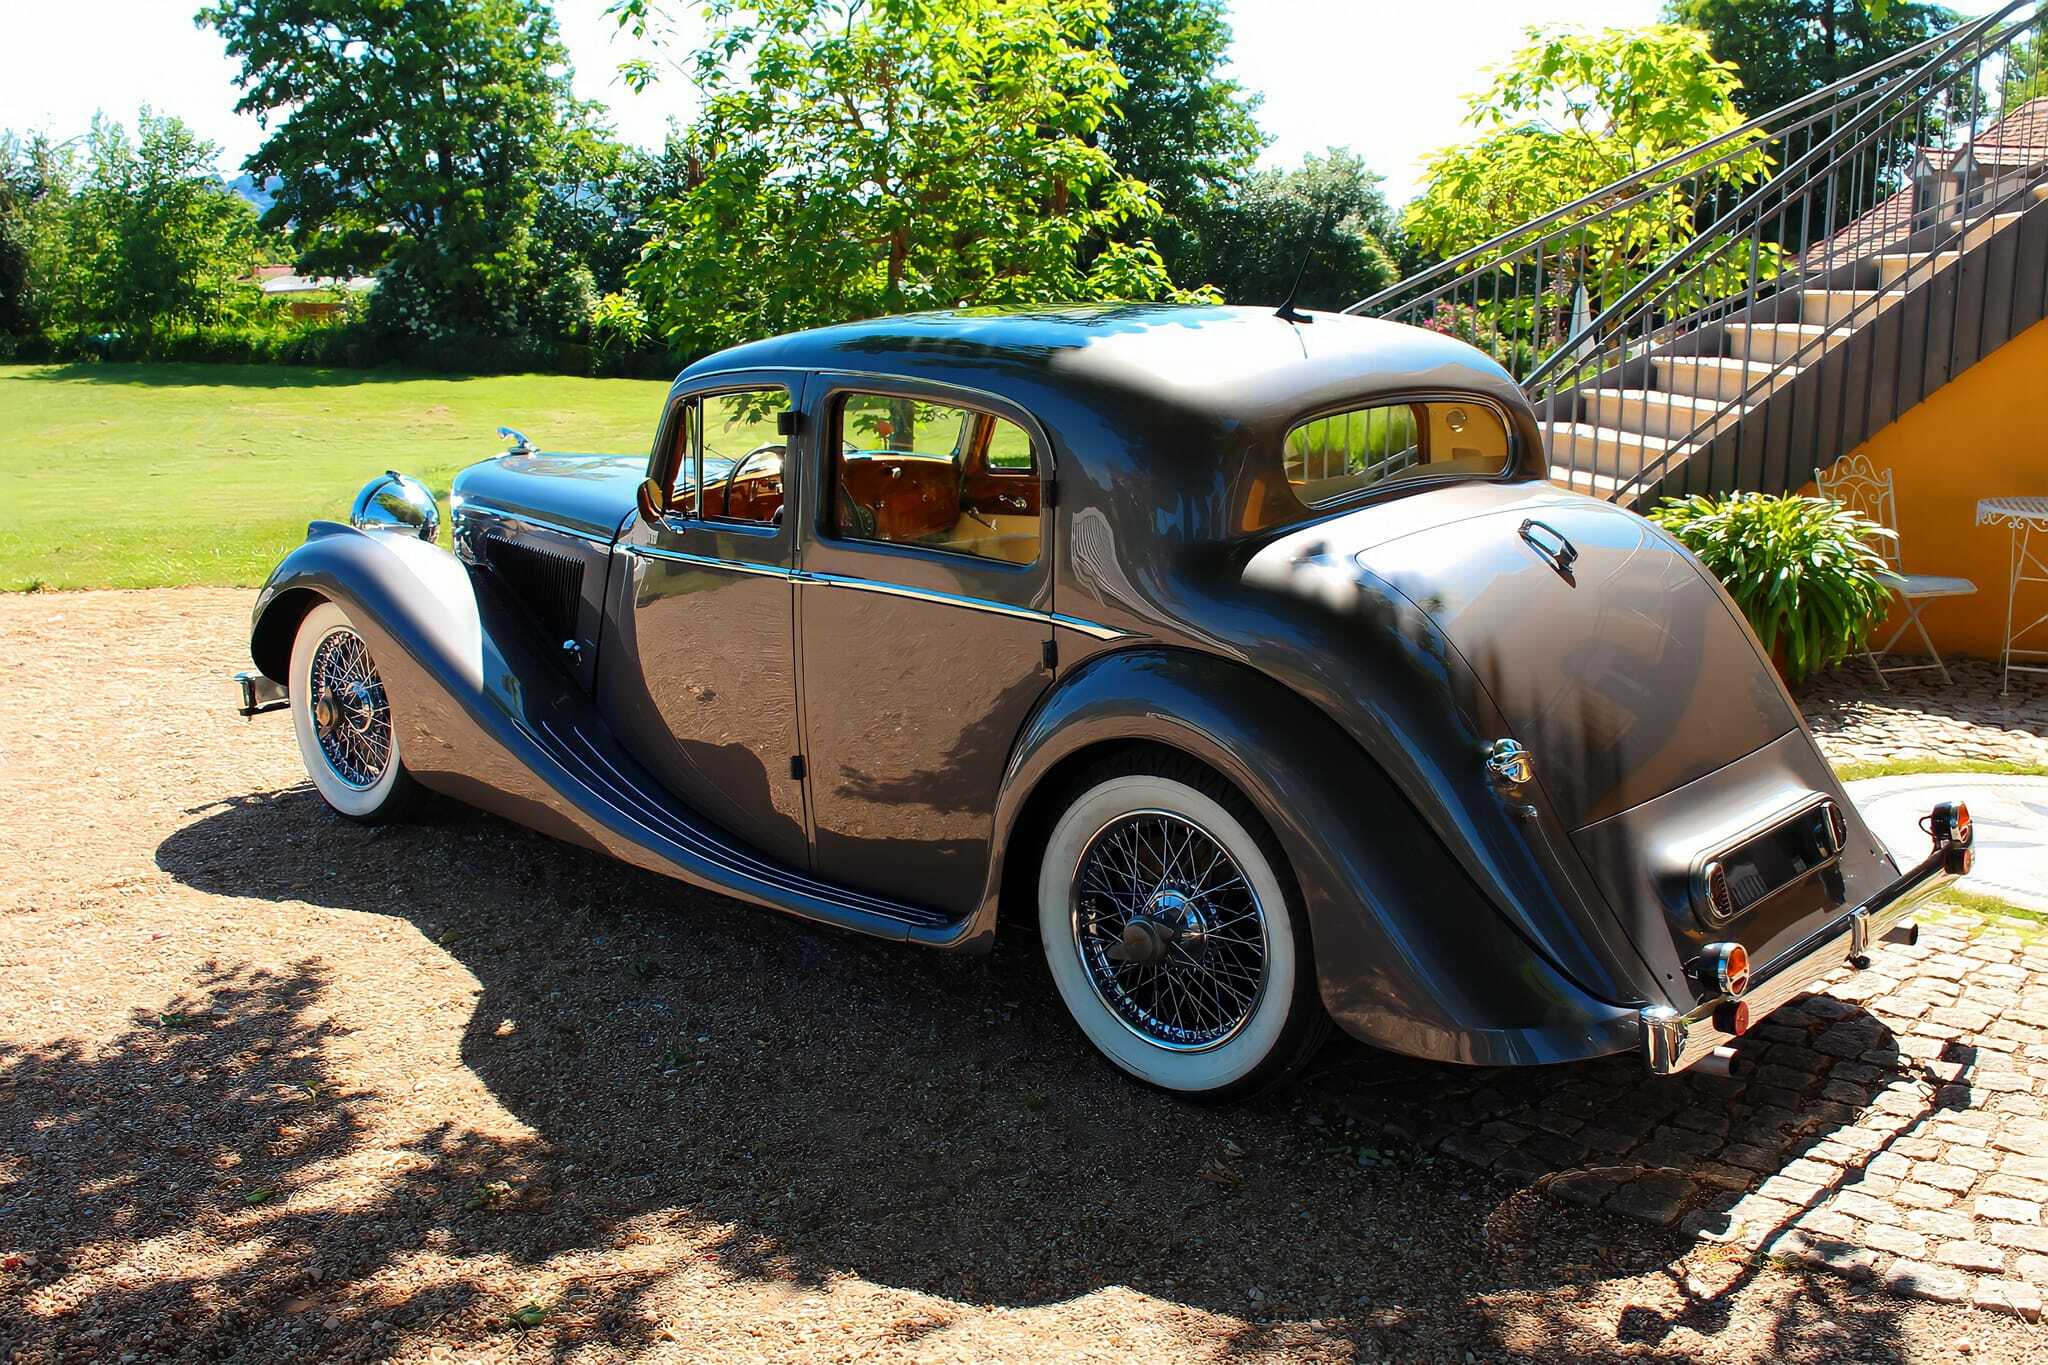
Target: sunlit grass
x=1910, y=767
x=145, y=476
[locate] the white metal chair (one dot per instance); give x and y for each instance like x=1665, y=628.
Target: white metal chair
x=1859, y=486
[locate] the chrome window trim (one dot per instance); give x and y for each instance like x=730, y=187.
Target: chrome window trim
x=1391, y=486
x=848, y=581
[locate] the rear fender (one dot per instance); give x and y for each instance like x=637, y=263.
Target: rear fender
x=1409, y=955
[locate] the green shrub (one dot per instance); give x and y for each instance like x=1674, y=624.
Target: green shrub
x=1802, y=570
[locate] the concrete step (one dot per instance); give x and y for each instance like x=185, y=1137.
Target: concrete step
x=1654, y=412
x=1714, y=376
x=1893, y=267
x=1833, y=306
x=1584, y=447
x=1772, y=342
x=1988, y=228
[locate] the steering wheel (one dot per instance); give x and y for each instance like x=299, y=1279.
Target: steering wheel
x=732, y=475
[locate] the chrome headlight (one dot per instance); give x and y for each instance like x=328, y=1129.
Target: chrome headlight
x=396, y=502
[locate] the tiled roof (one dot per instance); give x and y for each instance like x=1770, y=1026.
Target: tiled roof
x=2019, y=139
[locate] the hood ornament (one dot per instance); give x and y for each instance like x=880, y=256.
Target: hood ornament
x=520, y=445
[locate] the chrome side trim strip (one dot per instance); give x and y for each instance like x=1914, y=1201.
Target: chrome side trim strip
x=713, y=562
x=1094, y=628
x=529, y=519
x=854, y=584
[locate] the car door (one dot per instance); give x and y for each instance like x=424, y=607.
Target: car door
x=924, y=627
x=699, y=674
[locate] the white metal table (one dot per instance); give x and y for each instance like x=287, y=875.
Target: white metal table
x=2022, y=517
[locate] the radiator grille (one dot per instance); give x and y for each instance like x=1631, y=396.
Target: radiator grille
x=548, y=583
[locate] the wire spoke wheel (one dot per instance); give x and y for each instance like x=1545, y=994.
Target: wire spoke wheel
x=1171, y=935
x=351, y=716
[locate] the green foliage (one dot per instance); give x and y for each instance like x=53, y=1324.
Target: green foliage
x=412, y=136
x=1566, y=115
x=1179, y=124
x=1802, y=569
x=1249, y=239
x=856, y=159
x=148, y=239
x=1789, y=48
x=1571, y=113
x=618, y=320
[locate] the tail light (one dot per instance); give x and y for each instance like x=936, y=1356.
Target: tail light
x=1724, y=967
x=1951, y=823
x=1732, y=1018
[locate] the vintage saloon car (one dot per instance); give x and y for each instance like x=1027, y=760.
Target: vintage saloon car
x=1249, y=657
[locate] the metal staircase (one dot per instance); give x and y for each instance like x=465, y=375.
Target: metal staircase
x=1748, y=310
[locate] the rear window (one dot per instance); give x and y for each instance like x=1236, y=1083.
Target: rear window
x=1340, y=454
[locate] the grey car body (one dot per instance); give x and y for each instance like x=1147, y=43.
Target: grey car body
x=875, y=736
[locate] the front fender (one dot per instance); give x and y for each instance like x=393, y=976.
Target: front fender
x=1409, y=954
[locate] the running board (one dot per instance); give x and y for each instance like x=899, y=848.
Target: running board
x=609, y=781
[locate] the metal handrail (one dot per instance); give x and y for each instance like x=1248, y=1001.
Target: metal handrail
x=1869, y=307
x=1593, y=197
x=1851, y=166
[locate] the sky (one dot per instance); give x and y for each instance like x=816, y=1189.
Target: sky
x=1386, y=78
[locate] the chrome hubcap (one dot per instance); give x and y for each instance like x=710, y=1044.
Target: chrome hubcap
x=1170, y=933
x=351, y=718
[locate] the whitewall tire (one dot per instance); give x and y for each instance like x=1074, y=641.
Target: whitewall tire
x=1173, y=931
x=342, y=719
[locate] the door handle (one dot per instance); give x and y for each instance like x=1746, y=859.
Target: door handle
x=1561, y=553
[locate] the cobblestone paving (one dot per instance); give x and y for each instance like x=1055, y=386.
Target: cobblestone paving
x=1856, y=720
x=1889, y=1126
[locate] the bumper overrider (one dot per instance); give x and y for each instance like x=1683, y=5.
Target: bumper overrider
x=1674, y=1041
x=259, y=693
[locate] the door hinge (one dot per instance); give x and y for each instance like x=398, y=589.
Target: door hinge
x=786, y=422
x=796, y=767
x=1052, y=653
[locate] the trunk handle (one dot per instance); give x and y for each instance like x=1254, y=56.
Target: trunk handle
x=1561, y=556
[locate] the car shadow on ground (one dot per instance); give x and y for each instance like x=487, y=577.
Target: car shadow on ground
x=790, y=1105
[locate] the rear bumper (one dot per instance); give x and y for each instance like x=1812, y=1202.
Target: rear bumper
x=258, y=693
x=1672, y=1042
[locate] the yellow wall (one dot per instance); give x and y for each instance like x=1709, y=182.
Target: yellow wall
x=1983, y=435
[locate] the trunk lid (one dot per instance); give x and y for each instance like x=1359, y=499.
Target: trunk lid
x=1624, y=671
x=1659, y=732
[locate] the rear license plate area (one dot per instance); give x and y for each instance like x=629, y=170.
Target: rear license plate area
x=1733, y=880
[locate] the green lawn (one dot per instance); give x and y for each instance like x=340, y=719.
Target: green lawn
x=144, y=476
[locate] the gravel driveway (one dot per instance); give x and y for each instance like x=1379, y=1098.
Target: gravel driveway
x=277, y=1086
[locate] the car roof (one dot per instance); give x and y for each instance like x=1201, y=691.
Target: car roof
x=1244, y=366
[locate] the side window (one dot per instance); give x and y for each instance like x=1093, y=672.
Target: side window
x=911, y=472
x=1342, y=453
x=729, y=464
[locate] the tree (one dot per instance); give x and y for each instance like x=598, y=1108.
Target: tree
x=1568, y=114
x=851, y=159
x=1248, y=240
x=411, y=136
x=153, y=236
x=1788, y=48
x=1178, y=125
x=35, y=191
